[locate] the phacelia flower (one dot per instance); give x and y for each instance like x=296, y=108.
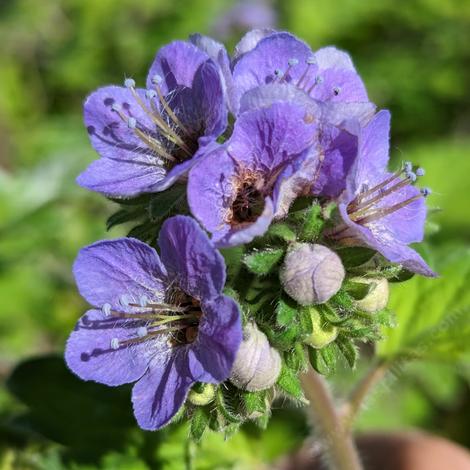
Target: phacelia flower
x=311, y=273
x=237, y=190
x=383, y=210
x=327, y=75
x=149, y=138
x=161, y=322
x=276, y=65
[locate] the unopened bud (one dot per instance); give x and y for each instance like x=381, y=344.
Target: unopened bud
x=257, y=365
x=322, y=333
x=202, y=395
x=311, y=273
x=377, y=298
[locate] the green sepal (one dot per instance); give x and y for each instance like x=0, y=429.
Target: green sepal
x=225, y=409
x=281, y=231
x=254, y=403
x=324, y=360
x=359, y=290
x=289, y=383
x=296, y=359
x=286, y=312
x=199, y=422
x=348, y=349
x=263, y=261
x=355, y=256
x=313, y=224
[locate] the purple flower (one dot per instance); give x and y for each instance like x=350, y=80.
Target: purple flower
x=327, y=75
x=162, y=322
x=379, y=209
x=237, y=190
x=272, y=66
x=149, y=138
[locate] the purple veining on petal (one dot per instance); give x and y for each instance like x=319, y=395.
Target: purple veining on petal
x=232, y=190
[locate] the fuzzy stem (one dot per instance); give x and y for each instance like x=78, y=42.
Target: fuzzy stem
x=360, y=392
x=338, y=442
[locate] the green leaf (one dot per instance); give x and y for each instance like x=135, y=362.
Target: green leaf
x=432, y=314
x=61, y=406
x=355, y=256
x=324, y=360
x=162, y=203
x=262, y=262
x=199, y=423
x=233, y=260
x=122, y=216
x=289, y=383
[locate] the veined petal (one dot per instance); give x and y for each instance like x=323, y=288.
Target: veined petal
x=159, y=394
x=219, y=337
x=89, y=353
x=190, y=257
x=108, y=270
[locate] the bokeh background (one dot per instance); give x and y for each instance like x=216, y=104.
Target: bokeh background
x=414, y=57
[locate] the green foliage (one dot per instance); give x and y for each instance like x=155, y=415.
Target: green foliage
x=433, y=316
x=289, y=383
x=324, y=360
x=263, y=261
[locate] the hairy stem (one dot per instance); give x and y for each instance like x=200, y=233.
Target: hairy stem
x=360, y=392
x=336, y=439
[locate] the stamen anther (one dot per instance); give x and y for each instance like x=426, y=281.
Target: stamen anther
x=420, y=171
x=106, y=309
x=129, y=83
x=142, y=331
x=115, y=343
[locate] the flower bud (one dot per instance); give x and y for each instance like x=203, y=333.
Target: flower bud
x=257, y=365
x=201, y=396
x=322, y=333
x=311, y=273
x=377, y=298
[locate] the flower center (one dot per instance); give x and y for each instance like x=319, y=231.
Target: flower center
x=177, y=319
x=167, y=141
x=370, y=204
x=248, y=203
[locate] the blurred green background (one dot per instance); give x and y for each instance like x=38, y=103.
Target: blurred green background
x=414, y=57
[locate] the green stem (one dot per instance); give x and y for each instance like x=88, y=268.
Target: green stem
x=336, y=439
x=360, y=392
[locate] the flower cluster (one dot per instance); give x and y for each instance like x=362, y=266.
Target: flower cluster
x=268, y=167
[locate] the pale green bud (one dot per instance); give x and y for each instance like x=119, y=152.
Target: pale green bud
x=203, y=397
x=322, y=333
x=377, y=298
